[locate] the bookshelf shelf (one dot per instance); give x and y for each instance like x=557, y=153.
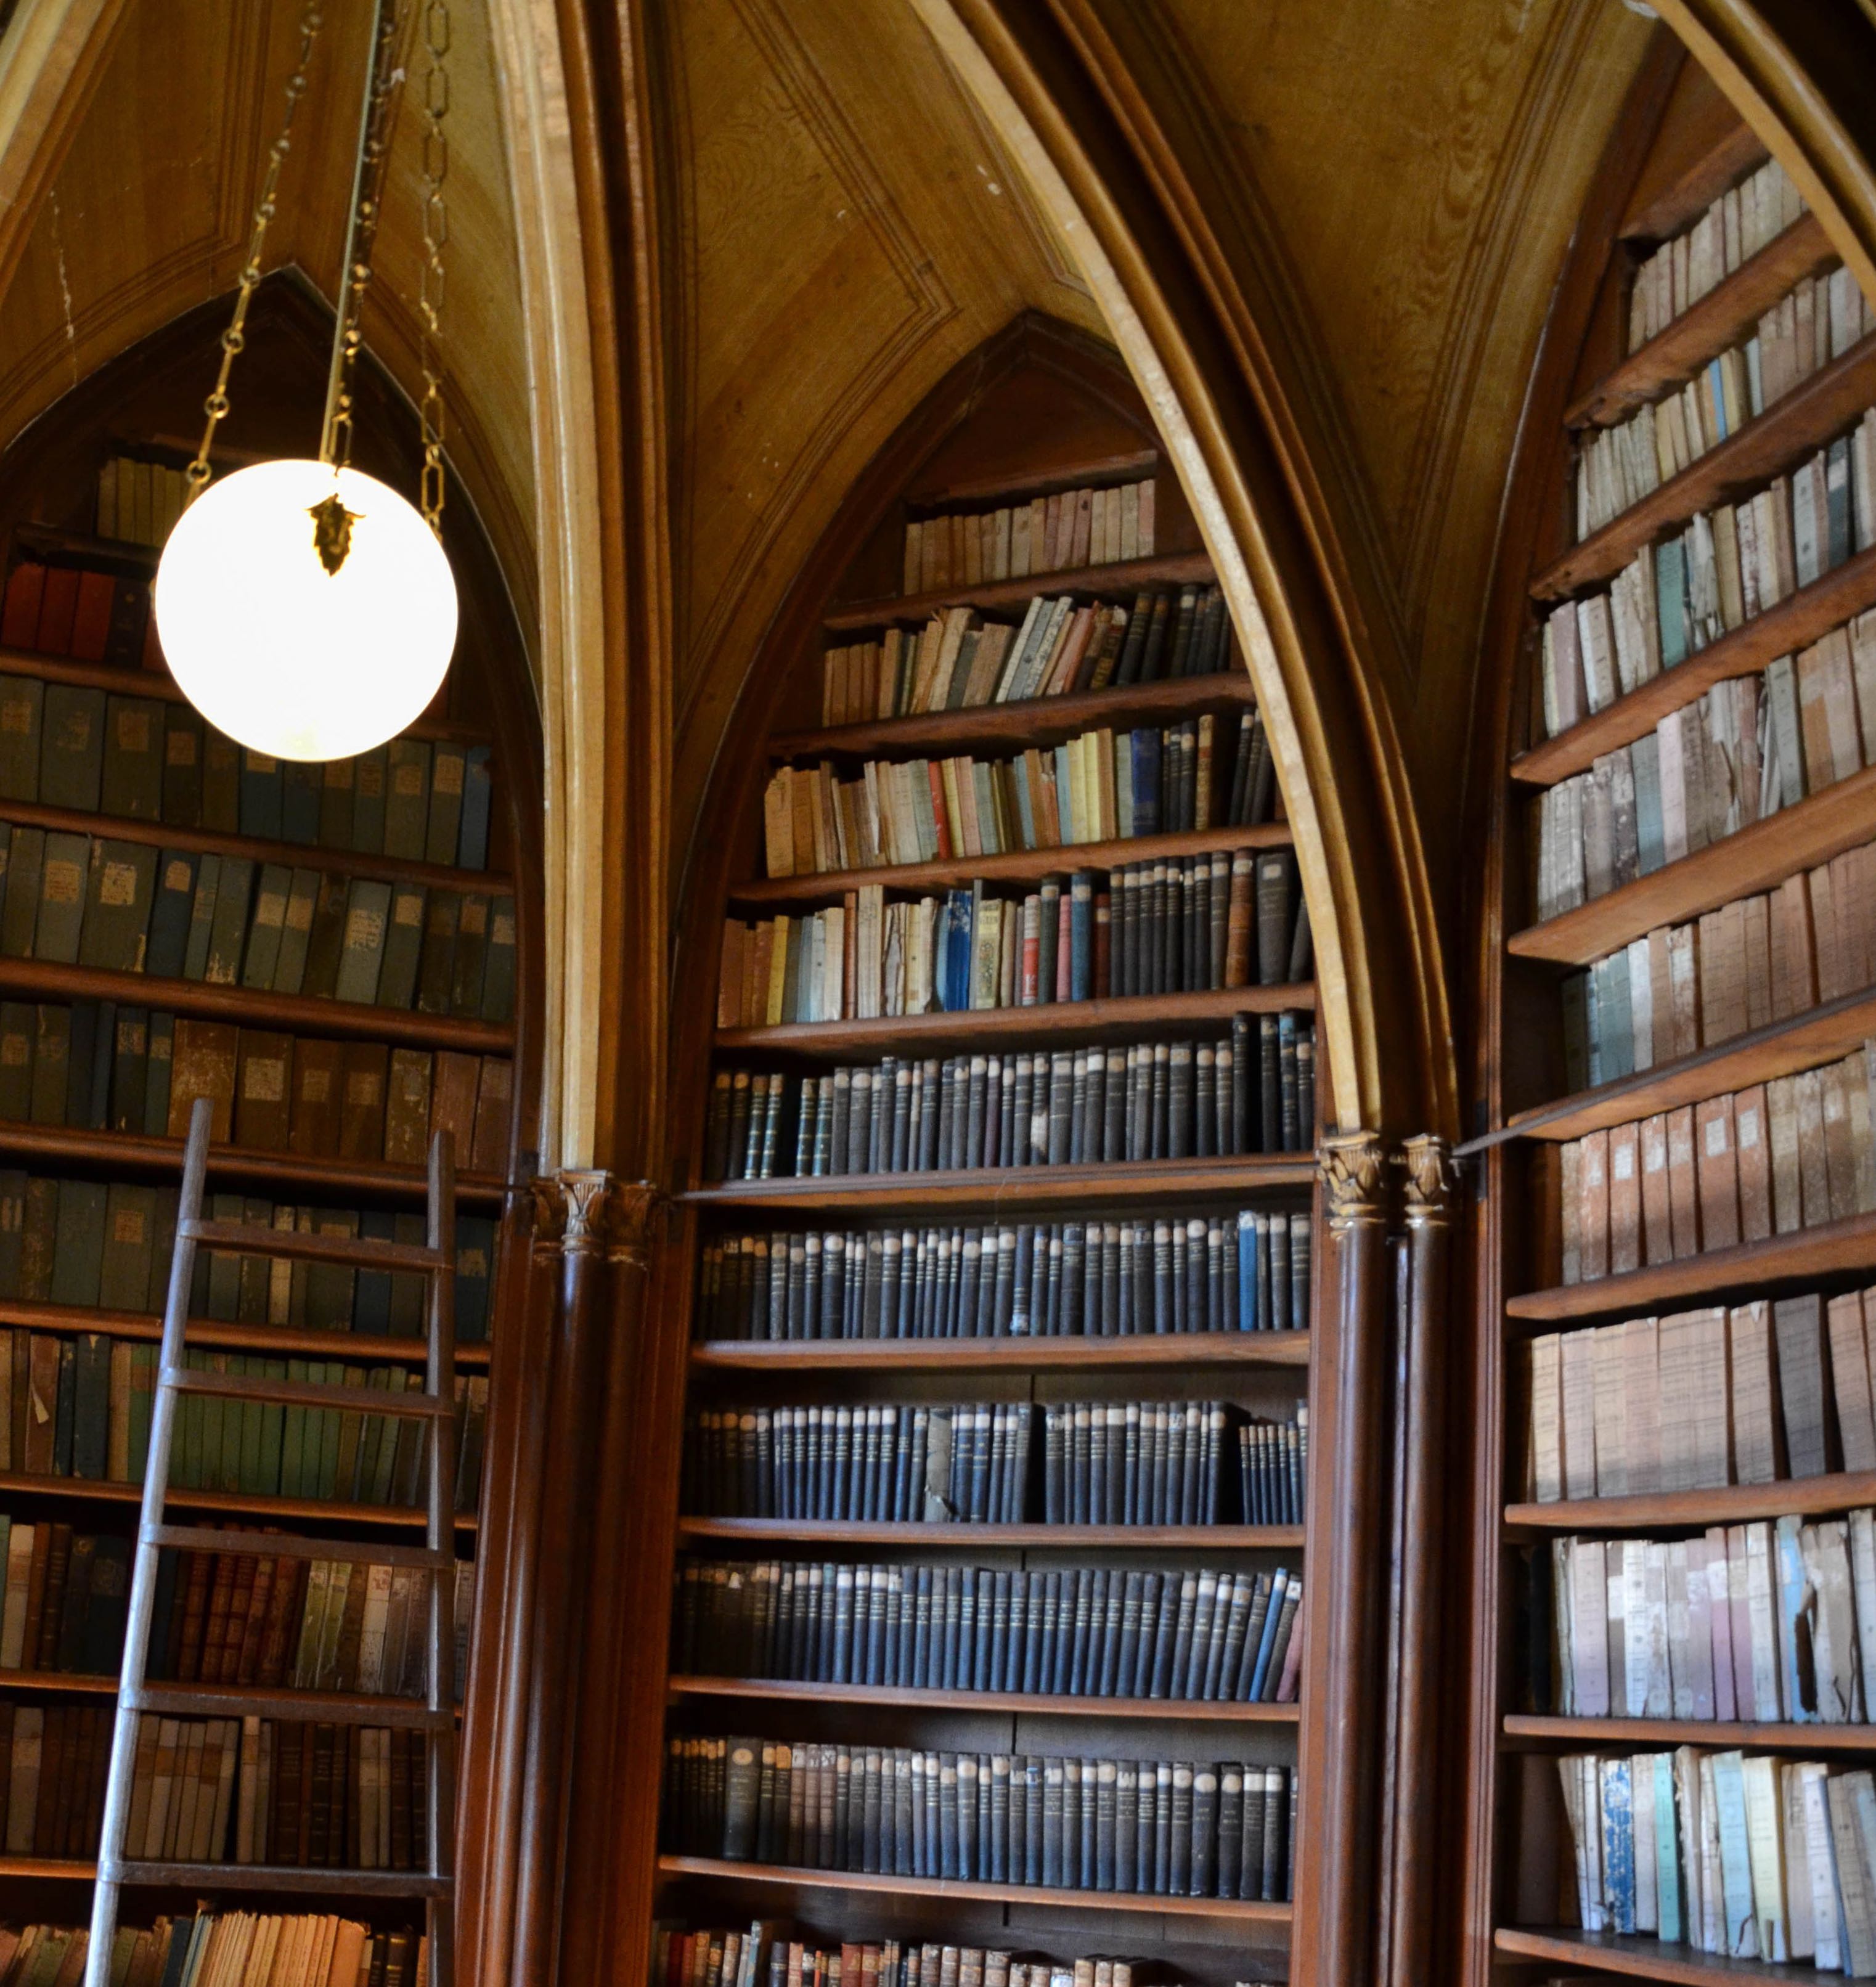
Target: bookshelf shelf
x=48, y=1869
x=357, y=1347
x=1718, y=160
x=1822, y=825
x=209, y=841
x=1119, y=1538
x=1810, y=1254
x=1127, y=1017
x=330, y=1881
x=137, y=1152
x=1780, y=1048
x=1796, y=621
x=201, y=1700
x=59, y=1682
x=1530, y=1730
x=1121, y=466
x=996, y=1187
x=298, y=1013
x=1727, y=314
x=1735, y=1503
x=1029, y=1705
x=14, y=1482
x=1124, y=576
x=1018, y=865
x=1177, y=1350
x=1041, y=720
x=1230, y=1911
x=1803, y=419
x=1642, y=1958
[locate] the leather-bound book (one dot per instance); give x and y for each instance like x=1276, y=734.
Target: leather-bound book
x=263, y=1090
x=489, y=1149
x=202, y=1064
x=131, y=785
x=361, y=1120
x=406, y=1115
x=452, y=1096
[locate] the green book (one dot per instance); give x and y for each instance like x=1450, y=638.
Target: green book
x=12, y=1227
x=330, y=1286
x=351, y=1427
x=221, y=782
x=215, y=1472
x=265, y=927
x=434, y=961
x=222, y=1300
x=157, y=1080
x=52, y=1064
x=403, y=943
x=129, y=1238
x=326, y=943
x=381, y=1485
x=91, y=1407
x=296, y=932
x=129, y=1070
x=19, y=908
x=182, y=766
x=498, y=967
x=407, y=800
x=67, y=1408
x=167, y=951
x=226, y=936
x=368, y=910
x=335, y=791
x=201, y=918
x=121, y=891
x=61, y=899
x=371, y=775
x=72, y=749
x=143, y=1399
x=162, y=1247
x=19, y=1030
x=131, y=786
x=39, y=1238
x=444, y=827
x=256, y=1271
x=471, y=962
x=250, y=1475
x=365, y=1475
x=293, y=1438
x=263, y=795
x=78, y=1247
x=88, y=1089
x=23, y=712
x=186, y=1455
x=273, y=1416
x=408, y=1289
x=299, y=803
x=333, y=1373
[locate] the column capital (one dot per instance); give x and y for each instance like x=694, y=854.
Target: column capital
x=1427, y=1165
x=1353, y=1167
x=594, y=1213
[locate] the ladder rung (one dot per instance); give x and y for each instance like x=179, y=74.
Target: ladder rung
x=288, y=1545
x=307, y=1707
x=303, y=1393
x=358, y=1252
x=323, y=1881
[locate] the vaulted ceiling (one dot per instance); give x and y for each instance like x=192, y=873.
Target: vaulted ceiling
x=845, y=227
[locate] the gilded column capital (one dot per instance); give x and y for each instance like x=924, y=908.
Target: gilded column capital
x=1355, y=1173
x=595, y=1214
x=1430, y=1172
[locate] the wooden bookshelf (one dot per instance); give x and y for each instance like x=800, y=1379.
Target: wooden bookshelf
x=1028, y=1704
x=356, y=1348
x=1598, y=1733
x=1042, y=720
x=1732, y=1504
x=235, y=1503
x=1806, y=417
x=1127, y=577
x=1642, y=1958
x=1177, y=1350
x=58, y=1680
x=862, y=1532
x=1018, y=865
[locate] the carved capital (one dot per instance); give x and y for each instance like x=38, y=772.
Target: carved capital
x=1353, y=1177
x=594, y=1213
x=1428, y=1166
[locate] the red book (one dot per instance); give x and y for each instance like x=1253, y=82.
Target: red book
x=91, y=621
x=57, y=610
x=19, y=619
x=934, y=773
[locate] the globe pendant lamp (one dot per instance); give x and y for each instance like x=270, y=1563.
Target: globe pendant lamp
x=305, y=609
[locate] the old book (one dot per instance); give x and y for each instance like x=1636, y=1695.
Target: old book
x=443, y=826
x=489, y=1149
x=366, y=1066
x=120, y=888
x=406, y=1118
x=1799, y=1324
x=407, y=804
x=61, y=909
x=263, y=1090
x=22, y=726
x=1657, y=1228
x=453, y=1098
x=72, y=758
x=131, y=780
x=469, y=964
x=1683, y=1200
x=202, y=1064
x=1717, y=1173
x=367, y=916
x=435, y=960
x=1625, y=1199
x=261, y=954
x=228, y=930
x=1753, y=1144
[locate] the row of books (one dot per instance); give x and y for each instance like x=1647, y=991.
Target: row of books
x=1756, y=1622
x=1724, y=569
x=1764, y=1391
x=79, y=1406
x=1047, y=1279
x=149, y=759
x=957, y=663
x=1200, y=1636
x=1113, y=1463
x=225, y=921
x=1169, y=927
x=1159, y=1827
x=82, y=614
x=95, y=1066
x=62, y=1599
x=1099, y=786
x=1754, y=961
x=1252, y=1092
x=1728, y=233
x=1738, y=1854
x=85, y=1244
x=139, y=500
x=1816, y=322
x=1053, y=534
x=762, y=1957
x=220, y=1949
x=1789, y=1154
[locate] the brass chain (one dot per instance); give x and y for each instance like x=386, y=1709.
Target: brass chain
x=216, y=406
x=436, y=234
x=353, y=281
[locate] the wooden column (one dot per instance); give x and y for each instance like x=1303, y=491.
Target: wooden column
x=1340, y=1751
x=1424, y=1346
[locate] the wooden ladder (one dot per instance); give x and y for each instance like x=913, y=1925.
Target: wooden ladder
x=436, y=1717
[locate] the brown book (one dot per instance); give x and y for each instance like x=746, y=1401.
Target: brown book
x=58, y=1541
x=263, y=1090
x=1657, y=1223
x=1625, y=1199
x=1593, y=1222
x=1824, y=933
x=362, y=1101
x=1794, y=959
x=41, y=1405
x=194, y=1613
x=1781, y=1111
x=755, y=1008
x=48, y=1831
x=1755, y=919
x=260, y=1600
x=202, y=1064
x=1717, y=1173
x=215, y=1627
x=281, y=1631
x=1569, y=1211
x=729, y=974
x=1682, y=1191
x=1240, y=919
x=1813, y=1166
x=1753, y=1144
x=1803, y=1382
x=452, y=1102
x=241, y=1600
x=351, y=1623
x=1684, y=972
x=35, y=1595
x=319, y=1082
x=489, y=1151
x=1840, y=1152
x=406, y=1110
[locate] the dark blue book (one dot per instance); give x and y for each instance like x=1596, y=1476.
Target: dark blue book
x=91, y=1415
x=263, y=796
x=169, y=916
x=371, y=1303
x=478, y=792
x=101, y=1646
x=301, y=798
x=1081, y=936
x=80, y=1061
x=1145, y=780
x=65, y=1413
x=475, y=1262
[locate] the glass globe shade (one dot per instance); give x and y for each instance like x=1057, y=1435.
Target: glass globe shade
x=284, y=657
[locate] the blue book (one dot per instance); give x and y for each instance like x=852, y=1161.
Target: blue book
x=1250, y=1282
x=1025, y=813
x=1064, y=798
x=472, y=846
x=1716, y=381
x=1667, y=1853
x=1651, y=843
x=1081, y=936
x=1280, y=1588
x=1671, y=601
x=302, y=785
x=1618, y=1843
x=1793, y=1595
x=1145, y=781
x=263, y=796
x=371, y=1303
x=173, y=897
x=1735, y=1874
